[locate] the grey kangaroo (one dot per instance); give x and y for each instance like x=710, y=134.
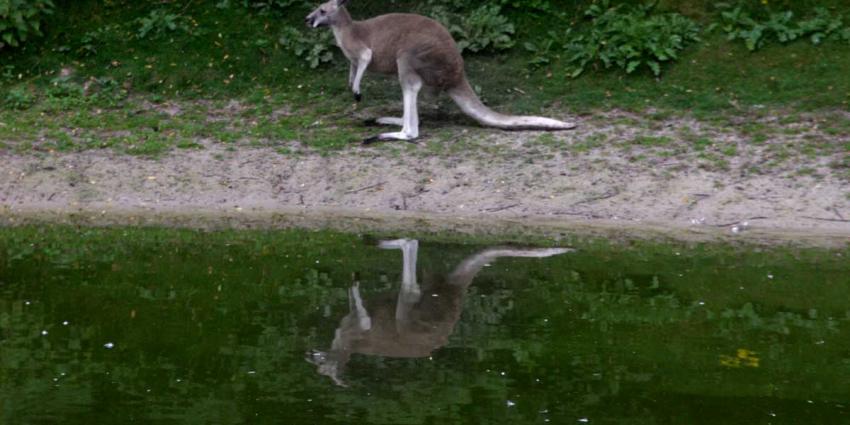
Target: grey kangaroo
x=422, y=53
x=414, y=322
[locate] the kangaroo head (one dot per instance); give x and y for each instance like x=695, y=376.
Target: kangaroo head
x=324, y=14
x=328, y=364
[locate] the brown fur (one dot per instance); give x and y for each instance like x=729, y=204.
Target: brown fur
x=423, y=54
x=428, y=46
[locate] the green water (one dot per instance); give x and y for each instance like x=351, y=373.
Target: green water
x=164, y=326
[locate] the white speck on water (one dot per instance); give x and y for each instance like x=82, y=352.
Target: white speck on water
x=26, y=303
x=821, y=342
x=502, y=373
x=179, y=380
x=251, y=372
x=772, y=414
x=148, y=390
x=435, y=295
x=65, y=323
x=44, y=332
x=511, y=403
x=584, y=420
x=770, y=276
x=701, y=303
x=810, y=402
x=108, y=345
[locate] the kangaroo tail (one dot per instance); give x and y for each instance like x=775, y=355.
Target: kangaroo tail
x=466, y=270
x=469, y=103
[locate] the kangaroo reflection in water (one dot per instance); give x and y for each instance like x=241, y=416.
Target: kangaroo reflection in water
x=416, y=321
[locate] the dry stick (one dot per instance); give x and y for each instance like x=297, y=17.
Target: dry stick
x=365, y=188
x=835, y=220
x=609, y=194
x=739, y=222
x=502, y=208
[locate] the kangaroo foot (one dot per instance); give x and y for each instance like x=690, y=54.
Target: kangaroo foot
x=385, y=137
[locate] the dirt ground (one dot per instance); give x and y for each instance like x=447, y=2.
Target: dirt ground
x=500, y=181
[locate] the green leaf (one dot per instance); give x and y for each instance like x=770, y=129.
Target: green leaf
x=656, y=67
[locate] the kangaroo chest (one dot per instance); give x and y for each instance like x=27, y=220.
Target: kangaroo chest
x=345, y=42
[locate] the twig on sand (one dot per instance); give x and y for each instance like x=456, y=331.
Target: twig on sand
x=609, y=194
x=834, y=220
x=739, y=221
x=365, y=188
x=502, y=208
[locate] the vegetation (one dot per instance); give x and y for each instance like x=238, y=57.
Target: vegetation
x=21, y=20
x=782, y=27
x=106, y=71
x=630, y=38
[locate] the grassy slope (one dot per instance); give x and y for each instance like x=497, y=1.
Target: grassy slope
x=234, y=54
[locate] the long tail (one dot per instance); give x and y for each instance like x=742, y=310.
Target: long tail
x=469, y=103
x=466, y=270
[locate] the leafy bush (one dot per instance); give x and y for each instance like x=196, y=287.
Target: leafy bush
x=475, y=30
x=160, y=22
x=18, y=98
x=629, y=38
x=315, y=48
x=741, y=24
x=485, y=29
x=21, y=19
x=266, y=6
x=89, y=42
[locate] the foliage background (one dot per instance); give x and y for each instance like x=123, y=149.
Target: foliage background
x=103, y=51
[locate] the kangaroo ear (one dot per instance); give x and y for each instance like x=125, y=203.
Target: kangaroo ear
x=341, y=3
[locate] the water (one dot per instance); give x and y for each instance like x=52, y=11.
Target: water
x=162, y=326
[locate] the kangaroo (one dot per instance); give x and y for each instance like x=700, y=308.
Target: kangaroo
x=422, y=53
x=414, y=322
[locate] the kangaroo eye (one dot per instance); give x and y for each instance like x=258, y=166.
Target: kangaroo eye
x=322, y=12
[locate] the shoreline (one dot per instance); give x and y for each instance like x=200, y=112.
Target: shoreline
x=501, y=184
x=360, y=221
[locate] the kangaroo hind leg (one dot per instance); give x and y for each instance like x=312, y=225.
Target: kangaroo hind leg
x=355, y=303
x=410, y=292
x=411, y=83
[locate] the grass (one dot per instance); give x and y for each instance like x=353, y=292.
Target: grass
x=66, y=95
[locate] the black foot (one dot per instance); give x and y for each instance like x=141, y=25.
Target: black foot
x=358, y=97
x=374, y=139
x=370, y=140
